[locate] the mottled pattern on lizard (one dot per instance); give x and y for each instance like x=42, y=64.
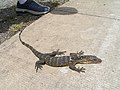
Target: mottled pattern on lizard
x=60, y=61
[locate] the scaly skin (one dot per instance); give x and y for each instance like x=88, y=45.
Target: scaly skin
x=52, y=60
x=68, y=61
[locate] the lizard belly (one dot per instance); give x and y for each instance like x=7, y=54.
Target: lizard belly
x=58, y=61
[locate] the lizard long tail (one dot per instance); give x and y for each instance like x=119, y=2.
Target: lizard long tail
x=36, y=53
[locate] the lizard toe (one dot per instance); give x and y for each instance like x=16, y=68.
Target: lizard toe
x=82, y=69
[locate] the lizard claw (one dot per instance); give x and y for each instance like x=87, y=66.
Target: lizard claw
x=82, y=69
x=60, y=52
x=38, y=65
x=80, y=53
x=39, y=68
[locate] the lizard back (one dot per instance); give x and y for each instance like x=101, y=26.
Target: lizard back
x=58, y=61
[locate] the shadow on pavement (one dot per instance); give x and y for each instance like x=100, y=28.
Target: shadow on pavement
x=9, y=17
x=11, y=23
x=64, y=11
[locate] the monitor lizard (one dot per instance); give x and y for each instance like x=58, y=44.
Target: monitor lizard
x=53, y=60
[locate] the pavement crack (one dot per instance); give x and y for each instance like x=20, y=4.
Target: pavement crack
x=87, y=14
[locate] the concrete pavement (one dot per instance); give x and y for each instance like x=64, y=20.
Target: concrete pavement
x=91, y=26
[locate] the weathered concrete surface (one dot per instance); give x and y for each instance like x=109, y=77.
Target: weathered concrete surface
x=95, y=32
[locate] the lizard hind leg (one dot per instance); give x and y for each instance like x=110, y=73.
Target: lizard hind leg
x=38, y=65
x=57, y=52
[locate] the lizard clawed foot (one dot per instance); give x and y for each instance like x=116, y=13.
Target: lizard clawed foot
x=61, y=53
x=80, y=53
x=82, y=69
x=38, y=64
x=77, y=54
x=57, y=52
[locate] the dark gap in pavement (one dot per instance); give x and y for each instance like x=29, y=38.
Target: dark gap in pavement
x=71, y=10
x=112, y=18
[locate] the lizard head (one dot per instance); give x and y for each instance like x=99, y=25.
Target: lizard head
x=89, y=59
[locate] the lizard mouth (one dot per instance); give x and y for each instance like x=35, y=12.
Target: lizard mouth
x=91, y=61
x=98, y=61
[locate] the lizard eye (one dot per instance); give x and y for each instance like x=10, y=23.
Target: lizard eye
x=81, y=57
x=94, y=59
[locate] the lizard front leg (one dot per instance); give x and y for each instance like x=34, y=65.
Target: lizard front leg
x=39, y=64
x=77, y=54
x=80, y=53
x=72, y=67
